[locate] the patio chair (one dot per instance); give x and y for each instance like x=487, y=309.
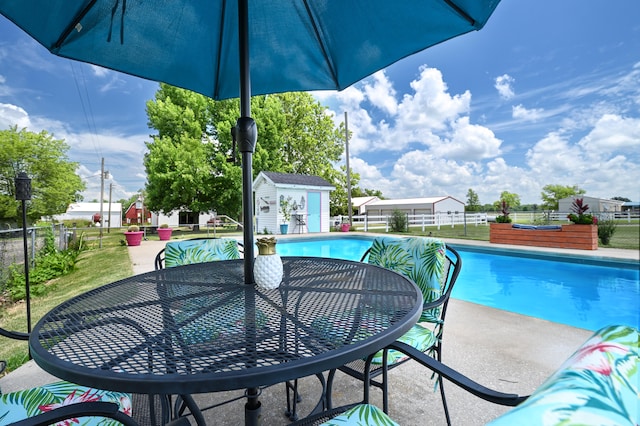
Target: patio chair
x=197, y=250
x=598, y=384
x=60, y=401
x=434, y=267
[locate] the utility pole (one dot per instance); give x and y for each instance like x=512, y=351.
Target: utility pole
x=346, y=143
x=109, y=221
x=101, y=199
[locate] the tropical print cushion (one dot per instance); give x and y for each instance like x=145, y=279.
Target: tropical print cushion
x=20, y=405
x=187, y=252
x=362, y=415
x=419, y=259
x=419, y=337
x=598, y=385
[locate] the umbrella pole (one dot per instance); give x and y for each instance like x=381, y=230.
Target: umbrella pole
x=247, y=134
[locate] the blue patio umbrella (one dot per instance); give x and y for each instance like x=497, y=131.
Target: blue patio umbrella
x=226, y=49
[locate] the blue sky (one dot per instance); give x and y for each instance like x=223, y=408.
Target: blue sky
x=547, y=93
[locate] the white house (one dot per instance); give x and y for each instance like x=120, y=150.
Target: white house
x=596, y=205
x=309, y=196
x=86, y=211
x=429, y=205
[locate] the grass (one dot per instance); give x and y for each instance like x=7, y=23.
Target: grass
x=94, y=268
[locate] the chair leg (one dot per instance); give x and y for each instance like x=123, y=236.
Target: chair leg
x=293, y=397
x=444, y=400
x=329, y=402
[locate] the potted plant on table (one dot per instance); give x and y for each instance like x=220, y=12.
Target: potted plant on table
x=133, y=235
x=164, y=232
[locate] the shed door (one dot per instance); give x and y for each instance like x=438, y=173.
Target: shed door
x=313, y=212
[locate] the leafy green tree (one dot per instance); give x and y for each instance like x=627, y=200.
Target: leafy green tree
x=512, y=200
x=54, y=182
x=551, y=194
x=192, y=164
x=625, y=199
x=473, y=201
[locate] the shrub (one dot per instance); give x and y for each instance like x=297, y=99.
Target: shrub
x=606, y=229
x=133, y=228
x=164, y=225
x=49, y=264
x=579, y=215
x=398, y=221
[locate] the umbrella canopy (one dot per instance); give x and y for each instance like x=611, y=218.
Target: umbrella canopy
x=226, y=49
x=294, y=45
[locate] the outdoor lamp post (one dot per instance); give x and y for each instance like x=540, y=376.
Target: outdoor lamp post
x=23, y=193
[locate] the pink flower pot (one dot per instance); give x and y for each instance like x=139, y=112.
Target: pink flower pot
x=164, y=233
x=134, y=238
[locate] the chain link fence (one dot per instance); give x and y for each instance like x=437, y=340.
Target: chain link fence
x=12, y=246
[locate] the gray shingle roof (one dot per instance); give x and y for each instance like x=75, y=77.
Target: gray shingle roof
x=296, y=179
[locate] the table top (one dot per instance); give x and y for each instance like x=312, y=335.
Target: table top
x=198, y=328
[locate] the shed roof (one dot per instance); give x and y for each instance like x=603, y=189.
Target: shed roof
x=428, y=200
x=296, y=179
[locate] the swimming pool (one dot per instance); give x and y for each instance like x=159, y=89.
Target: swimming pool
x=577, y=291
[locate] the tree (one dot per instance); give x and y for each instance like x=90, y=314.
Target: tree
x=54, y=182
x=551, y=194
x=512, y=199
x=192, y=164
x=473, y=201
x=625, y=199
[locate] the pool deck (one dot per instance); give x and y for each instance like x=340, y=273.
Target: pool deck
x=499, y=349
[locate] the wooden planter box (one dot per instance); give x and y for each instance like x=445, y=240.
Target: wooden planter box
x=582, y=237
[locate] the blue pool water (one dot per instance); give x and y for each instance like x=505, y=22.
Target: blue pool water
x=577, y=291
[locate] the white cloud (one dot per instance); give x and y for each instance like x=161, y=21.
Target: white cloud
x=612, y=133
x=381, y=93
x=11, y=115
x=519, y=112
x=503, y=86
x=99, y=71
x=431, y=107
x=469, y=142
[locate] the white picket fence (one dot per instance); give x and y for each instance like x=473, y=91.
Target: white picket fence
x=369, y=222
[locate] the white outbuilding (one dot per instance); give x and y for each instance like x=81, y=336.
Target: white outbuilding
x=307, y=196
x=596, y=205
x=412, y=206
x=87, y=211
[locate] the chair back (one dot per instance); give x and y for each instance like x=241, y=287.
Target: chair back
x=432, y=265
x=197, y=250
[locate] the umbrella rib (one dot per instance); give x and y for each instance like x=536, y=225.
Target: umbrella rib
x=73, y=24
x=322, y=47
x=461, y=12
x=216, y=87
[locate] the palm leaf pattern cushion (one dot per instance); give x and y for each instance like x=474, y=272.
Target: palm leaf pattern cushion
x=187, y=252
x=362, y=415
x=419, y=259
x=423, y=261
x=20, y=405
x=598, y=385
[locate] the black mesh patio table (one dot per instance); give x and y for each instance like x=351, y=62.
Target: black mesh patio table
x=198, y=328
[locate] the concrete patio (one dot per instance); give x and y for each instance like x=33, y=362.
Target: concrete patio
x=499, y=349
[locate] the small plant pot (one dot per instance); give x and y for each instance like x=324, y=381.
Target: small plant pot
x=134, y=238
x=345, y=227
x=164, y=233
x=284, y=228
